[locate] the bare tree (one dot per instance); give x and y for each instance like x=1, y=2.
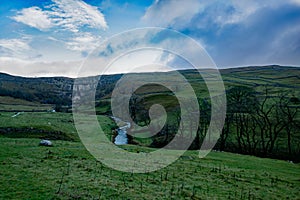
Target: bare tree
x=241, y=104
x=289, y=110
x=270, y=122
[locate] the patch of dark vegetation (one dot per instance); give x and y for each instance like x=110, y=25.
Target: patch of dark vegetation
x=12, y=132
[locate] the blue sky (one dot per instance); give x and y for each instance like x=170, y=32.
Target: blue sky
x=53, y=37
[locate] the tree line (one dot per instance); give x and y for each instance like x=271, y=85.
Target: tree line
x=262, y=123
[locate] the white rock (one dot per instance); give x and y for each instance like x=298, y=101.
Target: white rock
x=45, y=143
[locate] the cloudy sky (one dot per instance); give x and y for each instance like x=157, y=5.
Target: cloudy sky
x=53, y=37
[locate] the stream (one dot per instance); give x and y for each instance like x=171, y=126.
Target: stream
x=122, y=132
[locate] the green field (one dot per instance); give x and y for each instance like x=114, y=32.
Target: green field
x=68, y=171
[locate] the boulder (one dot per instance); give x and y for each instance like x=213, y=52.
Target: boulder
x=46, y=143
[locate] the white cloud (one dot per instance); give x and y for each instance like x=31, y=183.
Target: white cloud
x=73, y=14
x=68, y=15
x=297, y=2
x=18, y=48
x=21, y=67
x=72, y=17
x=239, y=11
x=34, y=17
x=179, y=14
x=83, y=42
x=15, y=45
x=172, y=13
x=137, y=61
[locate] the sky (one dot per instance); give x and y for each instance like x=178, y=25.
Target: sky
x=54, y=37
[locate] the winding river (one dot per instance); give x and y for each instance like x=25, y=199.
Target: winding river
x=122, y=132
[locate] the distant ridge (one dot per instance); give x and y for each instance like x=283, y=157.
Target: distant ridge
x=58, y=90
x=247, y=68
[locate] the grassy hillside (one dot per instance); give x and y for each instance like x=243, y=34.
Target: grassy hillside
x=50, y=90
x=8, y=103
x=67, y=171
x=276, y=77
x=44, y=125
x=58, y=90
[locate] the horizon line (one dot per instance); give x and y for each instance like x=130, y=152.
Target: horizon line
x=145, y=72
